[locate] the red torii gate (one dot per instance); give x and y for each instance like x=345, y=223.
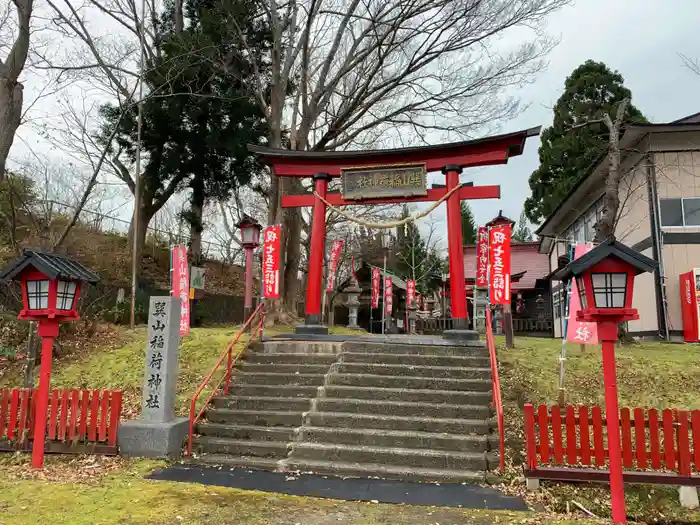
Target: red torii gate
x=450, y=159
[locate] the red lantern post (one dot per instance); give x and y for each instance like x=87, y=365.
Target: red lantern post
x=250, y=240
x=50, y=290
x=605, y=281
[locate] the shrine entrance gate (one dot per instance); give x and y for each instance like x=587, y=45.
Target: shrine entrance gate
x=393, y=176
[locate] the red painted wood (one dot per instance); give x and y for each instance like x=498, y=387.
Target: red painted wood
x=23, y=413
x=115, y=411
x=598, y=446
x=669, y=439
x=63, y=419
x=434, y=194
x=104, y=405
x=695, y=421
x=434, y=161
x=530, y=442
x=84, y=405
x=74, y=399
x=94, y=407
x=14, y=405
x=584, y=435
x=571, y=436
x=683, y=441
x=654, y=439
x=53, y=415
x=4, y=409
x=544, y=434
x=626, y=432
x=640, y=438
x=557, y=438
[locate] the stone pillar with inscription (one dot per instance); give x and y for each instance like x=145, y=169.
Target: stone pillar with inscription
x=157, y=433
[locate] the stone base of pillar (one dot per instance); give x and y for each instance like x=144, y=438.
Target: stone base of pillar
x=532, y=484
x=460, y=335
x=688, y=497
x=150, y=439
x=312, y=326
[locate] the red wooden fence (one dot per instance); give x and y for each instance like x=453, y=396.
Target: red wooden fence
x=79, y=421
x=667, y=441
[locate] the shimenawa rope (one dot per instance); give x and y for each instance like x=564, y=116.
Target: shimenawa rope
x=393, y=224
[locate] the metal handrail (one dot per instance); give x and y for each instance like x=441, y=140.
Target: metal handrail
x=496, y=388
x=230, y=361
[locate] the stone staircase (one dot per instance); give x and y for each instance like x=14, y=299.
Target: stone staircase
x=356, y=409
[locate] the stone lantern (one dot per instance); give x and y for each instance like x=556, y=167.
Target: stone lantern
x=353, y=292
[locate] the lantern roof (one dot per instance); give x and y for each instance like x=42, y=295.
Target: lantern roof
x=246, y=221
x=53, y=265
x=499, y=220
x=609, y=248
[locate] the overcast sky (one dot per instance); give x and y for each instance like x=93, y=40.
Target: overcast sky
x=641, y=39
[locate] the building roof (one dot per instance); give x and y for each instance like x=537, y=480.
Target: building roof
x=55, y=266
x=592, y=181
x=524, y=259
x=609, y=248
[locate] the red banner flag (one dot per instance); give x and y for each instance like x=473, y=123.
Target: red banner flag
x=376, y=280
x=410, y=291
x=499, y=254
x=388, y=295
x=336, y=248
x=271, y=261
x=482, y=256
x=180, y=285
x=580, y=332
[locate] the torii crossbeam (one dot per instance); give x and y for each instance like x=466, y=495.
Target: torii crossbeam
x=398, y=167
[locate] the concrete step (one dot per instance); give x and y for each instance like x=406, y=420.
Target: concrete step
x=282, y=368
x=274, y=391
x=420, y=383
x=241, y=447
x=396, y=438
x=419, y=424
x=401, y=408
x=306, y=359
x=255, y=378
x=402, y=394
x=379, y=348
x=413, y=371
x=266, y=418
x=251, y=432
x=374, y=470
x=417, y=359
x=282, y=404
x=253, y=463
x=409, y=457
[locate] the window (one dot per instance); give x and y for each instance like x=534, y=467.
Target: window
x=680, y=212
x=609, y=289
x=38, y=295
x=65, y=295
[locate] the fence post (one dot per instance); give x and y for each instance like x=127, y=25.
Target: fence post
x=530, y=447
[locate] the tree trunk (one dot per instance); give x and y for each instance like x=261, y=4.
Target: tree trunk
x=144, y=219
x=11, y=97
x=195, y=220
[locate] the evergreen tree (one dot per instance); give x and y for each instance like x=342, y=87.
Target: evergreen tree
x=200, y=116
x=568, y=152
x=468, y=225
x=414, y=258
x=522, y=231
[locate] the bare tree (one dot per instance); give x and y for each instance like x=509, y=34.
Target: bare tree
x=364, y=69
x=11, y=89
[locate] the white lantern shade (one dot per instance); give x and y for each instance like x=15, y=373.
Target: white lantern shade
x=248, y=235
x=38, y=294
x=609, y=289
x=65, y=295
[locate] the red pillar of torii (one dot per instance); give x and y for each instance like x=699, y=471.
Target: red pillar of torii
x=450, y=159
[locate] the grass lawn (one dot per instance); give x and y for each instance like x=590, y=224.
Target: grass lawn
x=97, y=490
x=650, y=374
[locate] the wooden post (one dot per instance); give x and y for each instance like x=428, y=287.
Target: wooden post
x=508, y=326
